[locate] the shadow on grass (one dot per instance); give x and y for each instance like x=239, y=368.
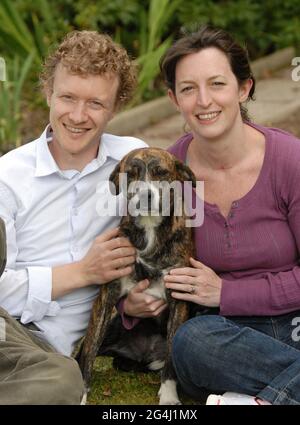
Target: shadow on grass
x=112, y=387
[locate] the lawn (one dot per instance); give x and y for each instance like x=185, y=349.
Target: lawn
x=112, y=387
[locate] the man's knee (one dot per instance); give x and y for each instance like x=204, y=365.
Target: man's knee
x=55, y=379
x=64, y=383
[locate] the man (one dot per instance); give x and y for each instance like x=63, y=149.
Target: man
x=59, y=250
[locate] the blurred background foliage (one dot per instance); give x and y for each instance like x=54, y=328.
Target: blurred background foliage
x=145, y=27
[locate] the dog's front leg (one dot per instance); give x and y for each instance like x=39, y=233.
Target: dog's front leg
x=168, y=389
x=99, y=320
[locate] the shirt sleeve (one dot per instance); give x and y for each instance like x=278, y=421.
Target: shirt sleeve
x=24, y=293
x=274, y=293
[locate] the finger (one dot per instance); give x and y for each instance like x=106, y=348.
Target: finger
x=141, y=286
x=108, y=234
x=181, y=287
x=122, y=252
x=180, y=279
x=196, y=263
x=184, y=296
x=118, y=273
x=156, y=304
x=159, y=310
x=190, y=271
x=122, y=262
x=116, y=243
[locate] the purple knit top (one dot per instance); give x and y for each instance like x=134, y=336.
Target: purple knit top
x=255, y=250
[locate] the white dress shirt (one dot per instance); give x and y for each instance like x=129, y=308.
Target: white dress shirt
x=51, y=219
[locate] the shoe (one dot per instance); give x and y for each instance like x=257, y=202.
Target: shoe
x=234, y=399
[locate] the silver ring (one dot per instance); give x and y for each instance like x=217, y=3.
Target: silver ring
x=193, y=289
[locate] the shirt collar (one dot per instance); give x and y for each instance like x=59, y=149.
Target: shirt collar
x=46, y=165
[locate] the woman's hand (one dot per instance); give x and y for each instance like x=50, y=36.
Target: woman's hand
x=140, y=304
x=198, y=284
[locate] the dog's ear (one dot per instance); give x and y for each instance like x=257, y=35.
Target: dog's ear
x=114, y=178
x=2, y=246
x=185, y=173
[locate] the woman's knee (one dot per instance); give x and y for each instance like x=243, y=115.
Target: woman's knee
x=195, y=332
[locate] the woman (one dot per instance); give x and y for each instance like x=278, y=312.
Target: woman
x=248, y=246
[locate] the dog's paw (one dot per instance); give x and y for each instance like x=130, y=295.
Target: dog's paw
x=168, y=393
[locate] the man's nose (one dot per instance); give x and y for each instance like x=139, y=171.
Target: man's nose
x=78, y=113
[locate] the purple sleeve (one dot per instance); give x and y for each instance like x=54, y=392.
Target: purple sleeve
x=127, y=321
x=275, y=293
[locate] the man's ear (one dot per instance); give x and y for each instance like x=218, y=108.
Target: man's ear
x=114, y=179
x=48, y=94
x=2, y=246
x=244, y=90
x=173, y=98
x=184, y=173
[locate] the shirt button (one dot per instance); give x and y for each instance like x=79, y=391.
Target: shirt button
x=234, y=204
x=75, y=211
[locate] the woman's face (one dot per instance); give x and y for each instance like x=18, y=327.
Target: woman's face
x=208, y=95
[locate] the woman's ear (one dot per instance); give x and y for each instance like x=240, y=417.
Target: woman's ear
x=244, y=90
x=173, y=98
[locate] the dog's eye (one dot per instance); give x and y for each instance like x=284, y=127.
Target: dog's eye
x=132, y=172
x=159, y=171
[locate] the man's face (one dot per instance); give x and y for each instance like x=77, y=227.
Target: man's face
x=80, y=108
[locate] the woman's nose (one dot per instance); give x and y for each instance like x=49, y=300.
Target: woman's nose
x=203, y=97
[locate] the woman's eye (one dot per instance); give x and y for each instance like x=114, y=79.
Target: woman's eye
x=186, y=89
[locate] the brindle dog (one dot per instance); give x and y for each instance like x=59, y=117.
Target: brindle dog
x=162, y=242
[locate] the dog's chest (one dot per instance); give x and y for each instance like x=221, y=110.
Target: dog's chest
x=145, y=271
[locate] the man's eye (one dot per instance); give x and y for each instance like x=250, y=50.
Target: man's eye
x=95, y=104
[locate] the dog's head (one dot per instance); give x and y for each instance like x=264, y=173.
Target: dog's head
x=147, y=174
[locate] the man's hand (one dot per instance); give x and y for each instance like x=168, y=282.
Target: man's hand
x=198, y=284
x=110, y=257
x=140, y=304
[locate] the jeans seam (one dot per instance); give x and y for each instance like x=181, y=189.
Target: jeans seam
x=278, y=393
x=274, y=328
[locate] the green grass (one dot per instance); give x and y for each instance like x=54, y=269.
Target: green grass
x=112, y=387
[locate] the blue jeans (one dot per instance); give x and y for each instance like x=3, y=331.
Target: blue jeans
x=257, y=356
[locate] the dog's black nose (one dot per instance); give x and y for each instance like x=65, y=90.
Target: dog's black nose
x=145, y=198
